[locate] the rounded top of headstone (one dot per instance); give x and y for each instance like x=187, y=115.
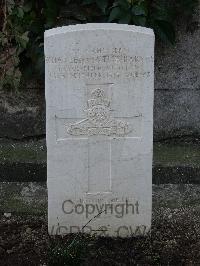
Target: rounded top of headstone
x=98, y=26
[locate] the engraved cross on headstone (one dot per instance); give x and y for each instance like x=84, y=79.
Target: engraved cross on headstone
x=99, y=127
x=99, y=124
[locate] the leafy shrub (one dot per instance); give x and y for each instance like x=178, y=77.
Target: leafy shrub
x=21, y=39
x=23, y=23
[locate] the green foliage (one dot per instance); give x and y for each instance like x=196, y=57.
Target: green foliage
x=24, y=21
x=21, y=39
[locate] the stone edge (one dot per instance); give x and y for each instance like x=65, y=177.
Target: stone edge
x=97, y=26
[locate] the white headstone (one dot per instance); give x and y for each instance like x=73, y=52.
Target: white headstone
x=99, y=103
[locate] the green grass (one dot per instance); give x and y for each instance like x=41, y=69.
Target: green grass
x=176, y=155
x=22, y=152
x=164, y=154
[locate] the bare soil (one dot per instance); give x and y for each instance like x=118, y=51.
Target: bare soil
x=174, y=240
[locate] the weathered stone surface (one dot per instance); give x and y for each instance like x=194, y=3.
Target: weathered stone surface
x=23, y=197
x=22, y=114
x=177, y=83
x=176, y=113
x=99, y=98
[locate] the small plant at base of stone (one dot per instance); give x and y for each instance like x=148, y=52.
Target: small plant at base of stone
x=71, y=254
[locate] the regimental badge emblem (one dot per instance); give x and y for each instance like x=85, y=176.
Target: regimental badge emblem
x=99, y=120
